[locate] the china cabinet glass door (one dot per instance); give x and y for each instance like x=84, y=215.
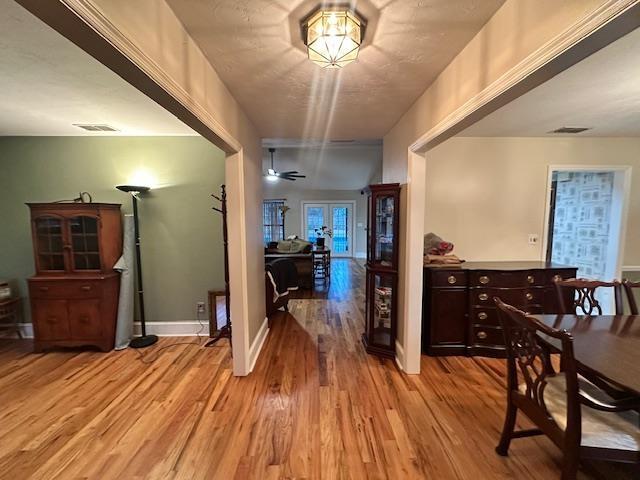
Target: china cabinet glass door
x=50, y=243
x=384, y=236
x=84, y=243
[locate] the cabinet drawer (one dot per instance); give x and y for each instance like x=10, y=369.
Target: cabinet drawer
x=562, y=274
x=448, y=278
x=485, y=316
x=517, y=297
x=65, y=289
x=519, y=278
x=481, y=335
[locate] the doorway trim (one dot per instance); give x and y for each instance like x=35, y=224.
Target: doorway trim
x=83, y=23
x=622, y=175
x=337, y=202
x=588, y=34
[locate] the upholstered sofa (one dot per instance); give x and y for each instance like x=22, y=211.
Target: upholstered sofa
x=299, y=251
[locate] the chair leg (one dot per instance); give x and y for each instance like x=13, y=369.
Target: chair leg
x=569, y=467
x=507, y=430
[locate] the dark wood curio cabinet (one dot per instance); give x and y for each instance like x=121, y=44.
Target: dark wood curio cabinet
x=383, y=213
x=74, y=293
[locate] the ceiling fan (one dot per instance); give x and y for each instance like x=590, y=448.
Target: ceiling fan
x=272, y=174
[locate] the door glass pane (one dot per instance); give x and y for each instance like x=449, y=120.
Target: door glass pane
x=315, y=221
x=84, y=240
x=384, y=229
x=49, y=243
x=382, y=305
x=340, y=223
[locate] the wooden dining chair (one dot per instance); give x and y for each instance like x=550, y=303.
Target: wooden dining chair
x=582, y=420
x=584, y=300
x=628, y=287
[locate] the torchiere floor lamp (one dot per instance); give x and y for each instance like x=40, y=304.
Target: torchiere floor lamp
x=145, y=340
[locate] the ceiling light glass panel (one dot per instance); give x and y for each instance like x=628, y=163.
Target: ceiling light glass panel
x=333, y=38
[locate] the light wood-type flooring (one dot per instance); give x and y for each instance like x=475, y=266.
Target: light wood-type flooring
x=316, y=406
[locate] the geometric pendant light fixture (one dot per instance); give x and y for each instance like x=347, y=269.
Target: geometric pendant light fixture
x=333, y=37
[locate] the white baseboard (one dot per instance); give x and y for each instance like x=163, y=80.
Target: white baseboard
x=174, y=329
x=360, y=255
x=631, y=268
x=399, y=355
x=256, y=346
x=162, y=329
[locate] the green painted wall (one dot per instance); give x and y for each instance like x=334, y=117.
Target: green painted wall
x=181, y=236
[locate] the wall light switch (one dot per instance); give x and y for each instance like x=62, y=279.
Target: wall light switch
x=534, y=238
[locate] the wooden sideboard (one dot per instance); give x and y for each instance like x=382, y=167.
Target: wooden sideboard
x=458, y=313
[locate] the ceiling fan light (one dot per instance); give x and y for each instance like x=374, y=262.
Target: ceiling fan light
x=333, y=38
x=271, y=172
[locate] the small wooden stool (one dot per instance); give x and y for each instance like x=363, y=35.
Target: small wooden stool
x=10, y=310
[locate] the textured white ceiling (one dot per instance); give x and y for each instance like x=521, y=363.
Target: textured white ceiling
x=329, y=167
x=601, y=92
x=254, y=47
x=47, y=84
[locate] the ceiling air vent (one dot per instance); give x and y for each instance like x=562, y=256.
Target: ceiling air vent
x=95, y=127
x=570, y=130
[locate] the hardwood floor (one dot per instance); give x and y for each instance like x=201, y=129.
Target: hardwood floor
x=316, y=407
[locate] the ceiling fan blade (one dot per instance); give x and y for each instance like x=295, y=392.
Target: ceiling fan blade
x=297, y=176
x=288, y=178
x=288, y=172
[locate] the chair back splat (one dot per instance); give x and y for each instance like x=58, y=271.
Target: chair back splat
x=584, y=299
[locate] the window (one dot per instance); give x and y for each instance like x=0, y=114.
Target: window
x=272, y=220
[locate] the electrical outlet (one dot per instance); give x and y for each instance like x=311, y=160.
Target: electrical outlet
x=533, y=238
x=200, y=307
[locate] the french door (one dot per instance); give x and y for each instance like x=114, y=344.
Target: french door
x=338, y=217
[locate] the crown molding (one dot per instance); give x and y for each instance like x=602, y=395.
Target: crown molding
x=93, y=16
x=551, y=50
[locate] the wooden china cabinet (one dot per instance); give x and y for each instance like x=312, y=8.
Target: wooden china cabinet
x=74, y=293
x=381, y=313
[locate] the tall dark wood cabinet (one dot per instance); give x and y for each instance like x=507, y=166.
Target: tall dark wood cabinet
x=459, y=316
x=383, y=213
x=74, y=293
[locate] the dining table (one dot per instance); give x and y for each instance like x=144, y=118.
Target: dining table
x=605, y=345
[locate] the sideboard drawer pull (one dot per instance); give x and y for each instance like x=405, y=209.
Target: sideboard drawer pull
x=452, y=280
x=529, y=296
x=531, y=279
x=482, y=315
x=44, y=289
x=481, y=335
x=86, y=288
x=484, y=279
x=483, y=297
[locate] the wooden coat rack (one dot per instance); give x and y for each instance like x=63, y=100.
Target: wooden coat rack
x=225, y=331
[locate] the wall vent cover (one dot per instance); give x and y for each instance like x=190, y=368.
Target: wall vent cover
x=95, y=127
x=570, y=130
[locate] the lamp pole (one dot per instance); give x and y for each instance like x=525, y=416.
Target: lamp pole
x=144, y=340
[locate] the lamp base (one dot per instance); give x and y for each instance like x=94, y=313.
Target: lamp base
x=142, y=342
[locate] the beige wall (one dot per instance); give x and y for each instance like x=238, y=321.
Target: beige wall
x=487, y=194
x=295, y=196
x=181, y=237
